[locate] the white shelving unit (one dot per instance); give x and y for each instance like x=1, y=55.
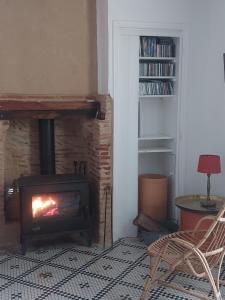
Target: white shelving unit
x=159, y=137
x=158, y=114
x=156, y=96
x=155, y=150
x=138, y=119
x=158, y=77
x=157, y=58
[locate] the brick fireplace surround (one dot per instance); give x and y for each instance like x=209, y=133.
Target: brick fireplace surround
x=77, y=138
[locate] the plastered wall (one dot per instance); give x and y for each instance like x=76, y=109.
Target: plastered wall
x=48, y=46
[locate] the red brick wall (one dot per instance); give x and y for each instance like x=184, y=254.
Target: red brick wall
x=21, y=150
x=70, y=144
x=99, y=136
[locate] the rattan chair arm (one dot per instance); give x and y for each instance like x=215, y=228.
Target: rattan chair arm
x=185, y=255
x=184, y=243
x=195, y=248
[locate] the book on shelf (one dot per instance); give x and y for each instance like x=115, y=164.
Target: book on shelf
x=156, y=69
x=156, y=47
x=156, y=87
x=148, y=46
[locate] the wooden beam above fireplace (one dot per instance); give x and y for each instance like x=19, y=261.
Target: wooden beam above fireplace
x=19, y=106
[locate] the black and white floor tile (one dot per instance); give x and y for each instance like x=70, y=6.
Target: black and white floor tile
x=81, y=273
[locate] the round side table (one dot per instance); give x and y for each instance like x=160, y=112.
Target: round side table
x=192, y=211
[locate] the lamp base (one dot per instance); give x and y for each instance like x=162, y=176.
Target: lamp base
x=208, y=203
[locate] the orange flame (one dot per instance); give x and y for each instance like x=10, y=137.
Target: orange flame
x=39, y=205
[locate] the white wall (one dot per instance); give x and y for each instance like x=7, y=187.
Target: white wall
x=206, y=102
x=204, y=109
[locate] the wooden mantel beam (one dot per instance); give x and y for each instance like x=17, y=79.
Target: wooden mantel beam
x=46, y=106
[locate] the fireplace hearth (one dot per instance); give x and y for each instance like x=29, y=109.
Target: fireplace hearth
x=83, y=133
x=51, y=203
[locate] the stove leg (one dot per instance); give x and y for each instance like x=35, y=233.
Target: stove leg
x=23, y=246
x=89, y=238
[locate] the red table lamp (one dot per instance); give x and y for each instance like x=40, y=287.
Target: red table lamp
x=209, y=164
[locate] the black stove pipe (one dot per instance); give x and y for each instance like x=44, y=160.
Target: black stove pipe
x=47, y=147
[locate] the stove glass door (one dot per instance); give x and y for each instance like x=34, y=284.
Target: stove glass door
x=50, y=205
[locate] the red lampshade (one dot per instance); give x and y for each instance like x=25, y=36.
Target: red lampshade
x=209, y=164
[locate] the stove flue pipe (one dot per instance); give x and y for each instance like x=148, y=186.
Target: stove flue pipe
x=47, y=146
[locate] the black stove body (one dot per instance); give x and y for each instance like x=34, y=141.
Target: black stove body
x=53, y=204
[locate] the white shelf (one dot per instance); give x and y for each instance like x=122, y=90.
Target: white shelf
x=158, y=113
x=156, y=96
x=156, y=150
x=157, y=137
x=156, y=58
x=158, y=77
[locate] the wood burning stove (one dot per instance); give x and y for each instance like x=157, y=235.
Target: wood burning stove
x=52, y=204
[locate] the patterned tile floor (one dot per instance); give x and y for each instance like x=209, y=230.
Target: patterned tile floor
x=81, y=273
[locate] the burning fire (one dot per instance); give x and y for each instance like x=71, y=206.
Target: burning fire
x=44, y=207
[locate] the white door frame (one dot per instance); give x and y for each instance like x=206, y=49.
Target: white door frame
x=128, y=191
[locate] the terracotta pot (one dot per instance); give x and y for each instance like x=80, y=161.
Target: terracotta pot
x=153, y=195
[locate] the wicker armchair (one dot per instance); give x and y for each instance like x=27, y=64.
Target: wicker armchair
x=195, y=252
